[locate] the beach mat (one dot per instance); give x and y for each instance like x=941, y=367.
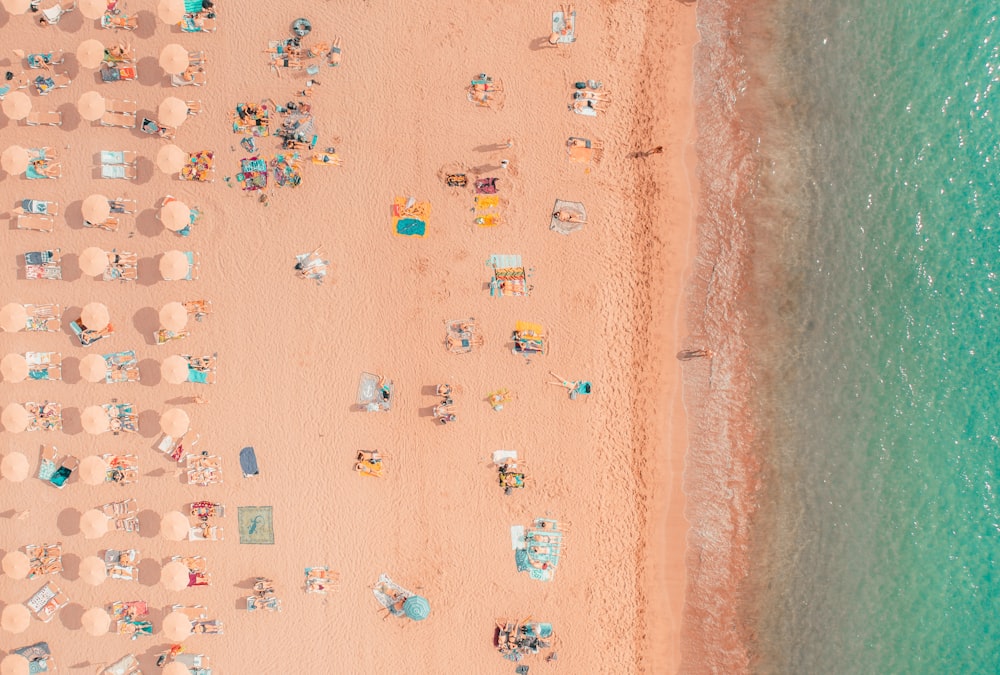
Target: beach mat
x=256, y=524
x=559, y=26
x=563, y=227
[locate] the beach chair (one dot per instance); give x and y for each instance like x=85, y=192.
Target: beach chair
x=87, y=336
x=154, y=128
x=118, y=157
x=46, y=416
x=50, y=118
x=43, y=318
x=126, y=665
x=123, y=205
x=44, y=559
x=40, y=169
x=320, y=579
x=205, y=532
x=46, y=84
x=34, y=221
x=42, y=60
x=38, y=206
x=123, y=106
x=123, y=72
x=124, y=171
x=198, y=78
x=255, y=602
x=198, y=23
x=42, y=265
x=44, y=365
x=198, y=664
x=127, y=524
x=47, y=601
x=119, y=21
x=113, y=119
x=119, y=509
x=39, y=657
x=52, y=15
x=47, y=462
x=65, y=469
x=194, y=266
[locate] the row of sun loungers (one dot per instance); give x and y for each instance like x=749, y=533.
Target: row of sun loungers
x=122, y=564
x=44, y=559
x=204, y=469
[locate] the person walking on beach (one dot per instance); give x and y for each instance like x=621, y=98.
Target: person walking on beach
x=688, y=354
x=653, y=151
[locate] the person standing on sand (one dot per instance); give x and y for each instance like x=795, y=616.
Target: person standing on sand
x=688, y=354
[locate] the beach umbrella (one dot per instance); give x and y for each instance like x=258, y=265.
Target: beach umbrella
x=15, y=664
x=174, y=576
x=15, y=418
x=175, y=422
x=175, y=215
x=15, y=159
x=96, y=621
x=14, y=368
x=169, y=159
x=16, y=564
x=16, y=105
x=91, y=105
x=90, y=53
x=14, y=467
x=93, y=9
x=93, y=260
x=96, y=209
x=15, y=618
x=174, y=369
x=174, y=265
x=93, y=368
x=13, y=317
x=94, y=419
x=93, y=524
x=175, y=525
x=173, y=316
x=416, y=607
x=176, y=626
x=170, y=11
x=176, y=668
x=16, y=6
x=93, y=570
x=173, y=111
x=93, y=470
x=174, y=59
x=95, y=316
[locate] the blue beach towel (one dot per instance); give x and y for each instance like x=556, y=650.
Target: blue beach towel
x=411, y=227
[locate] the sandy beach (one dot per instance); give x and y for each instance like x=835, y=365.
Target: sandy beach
x=290, y=352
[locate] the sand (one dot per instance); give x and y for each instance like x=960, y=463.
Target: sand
x=291, y=352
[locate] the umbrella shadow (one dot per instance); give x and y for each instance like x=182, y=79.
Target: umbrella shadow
x=147, y=24
x=71, y=65
x=146, y=321
x=149, y=272
x=71, y=370
x=71, y=268
x=147, y=224
x=71, y=616
x=71, y=419
x=149, y=525
x=144, y=170
x=70, y=117
x=71, y=566
x=149, y=424
x=71, y=314
x=74, y=215
x=71, y=22
x=150, y=73
x=149, y=570
x=149, y=372
x=68, y=522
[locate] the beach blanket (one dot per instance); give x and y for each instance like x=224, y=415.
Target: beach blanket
x=575, y=210
x=410, y=217
x=248, y=462
x=486, y=186
x=256, y=524
x=566, y=34
x=389, y=593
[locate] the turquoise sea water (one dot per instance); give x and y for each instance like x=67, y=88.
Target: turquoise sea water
x=847, y=281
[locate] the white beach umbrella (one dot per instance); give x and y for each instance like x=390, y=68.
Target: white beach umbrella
x=14, y=467
x=96, y=621
x=174, y=316
x=93, y=570
x=169, y=159
x=90, y=53
x=96, y=208
x=176, y=626
x=15, y=159
x=176, y=215
x=93, y=470
x=15, y=618
x=15, y=418
x=94, y=419
x=174, y=576
x=16, y=6
x=175, y=422
x=91, y=106
x=15, y=664
x=13, y=317
x=93, y=524
x=174, y=59
x=170, y=12
x=14, y=367
x=173, y=111
x=93, y=260
x=174, y=369
x=95, y=316
x=93, y=9
x=16, y=564
x=174, y=265
x=175, y=525
x=93, y=368
x=16, y=105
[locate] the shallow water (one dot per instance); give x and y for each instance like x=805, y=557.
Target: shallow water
x=842, y=470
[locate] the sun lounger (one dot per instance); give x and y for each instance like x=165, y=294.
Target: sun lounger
x=47, y=601
x=46, y=416
x=52, y=15
x=44, y=365
x=51, y=118
x=33, y=221
x=46, y=84
x=113, y=119
x=119, y=21
x=43, y=265
x=127, y=524
x=44, y=559
x=40, y=169
x=38, y=206
x=118, y=72
x=125, y=507
x=47, y=462
x=320, y=579
x=196, y=23
x=42, y=60
x=123, y=205
x=43, y=318
x=88, y=336
x=115, y=157
x=124, y=171
x=126, y=665
x=123, y=106
x=196, y=663
x=198, y=78
x=255, y=602
x=65, y=469
x=205, y=533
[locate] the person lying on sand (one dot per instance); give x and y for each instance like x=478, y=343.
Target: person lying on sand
x=568, y=217
x=333, y=57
